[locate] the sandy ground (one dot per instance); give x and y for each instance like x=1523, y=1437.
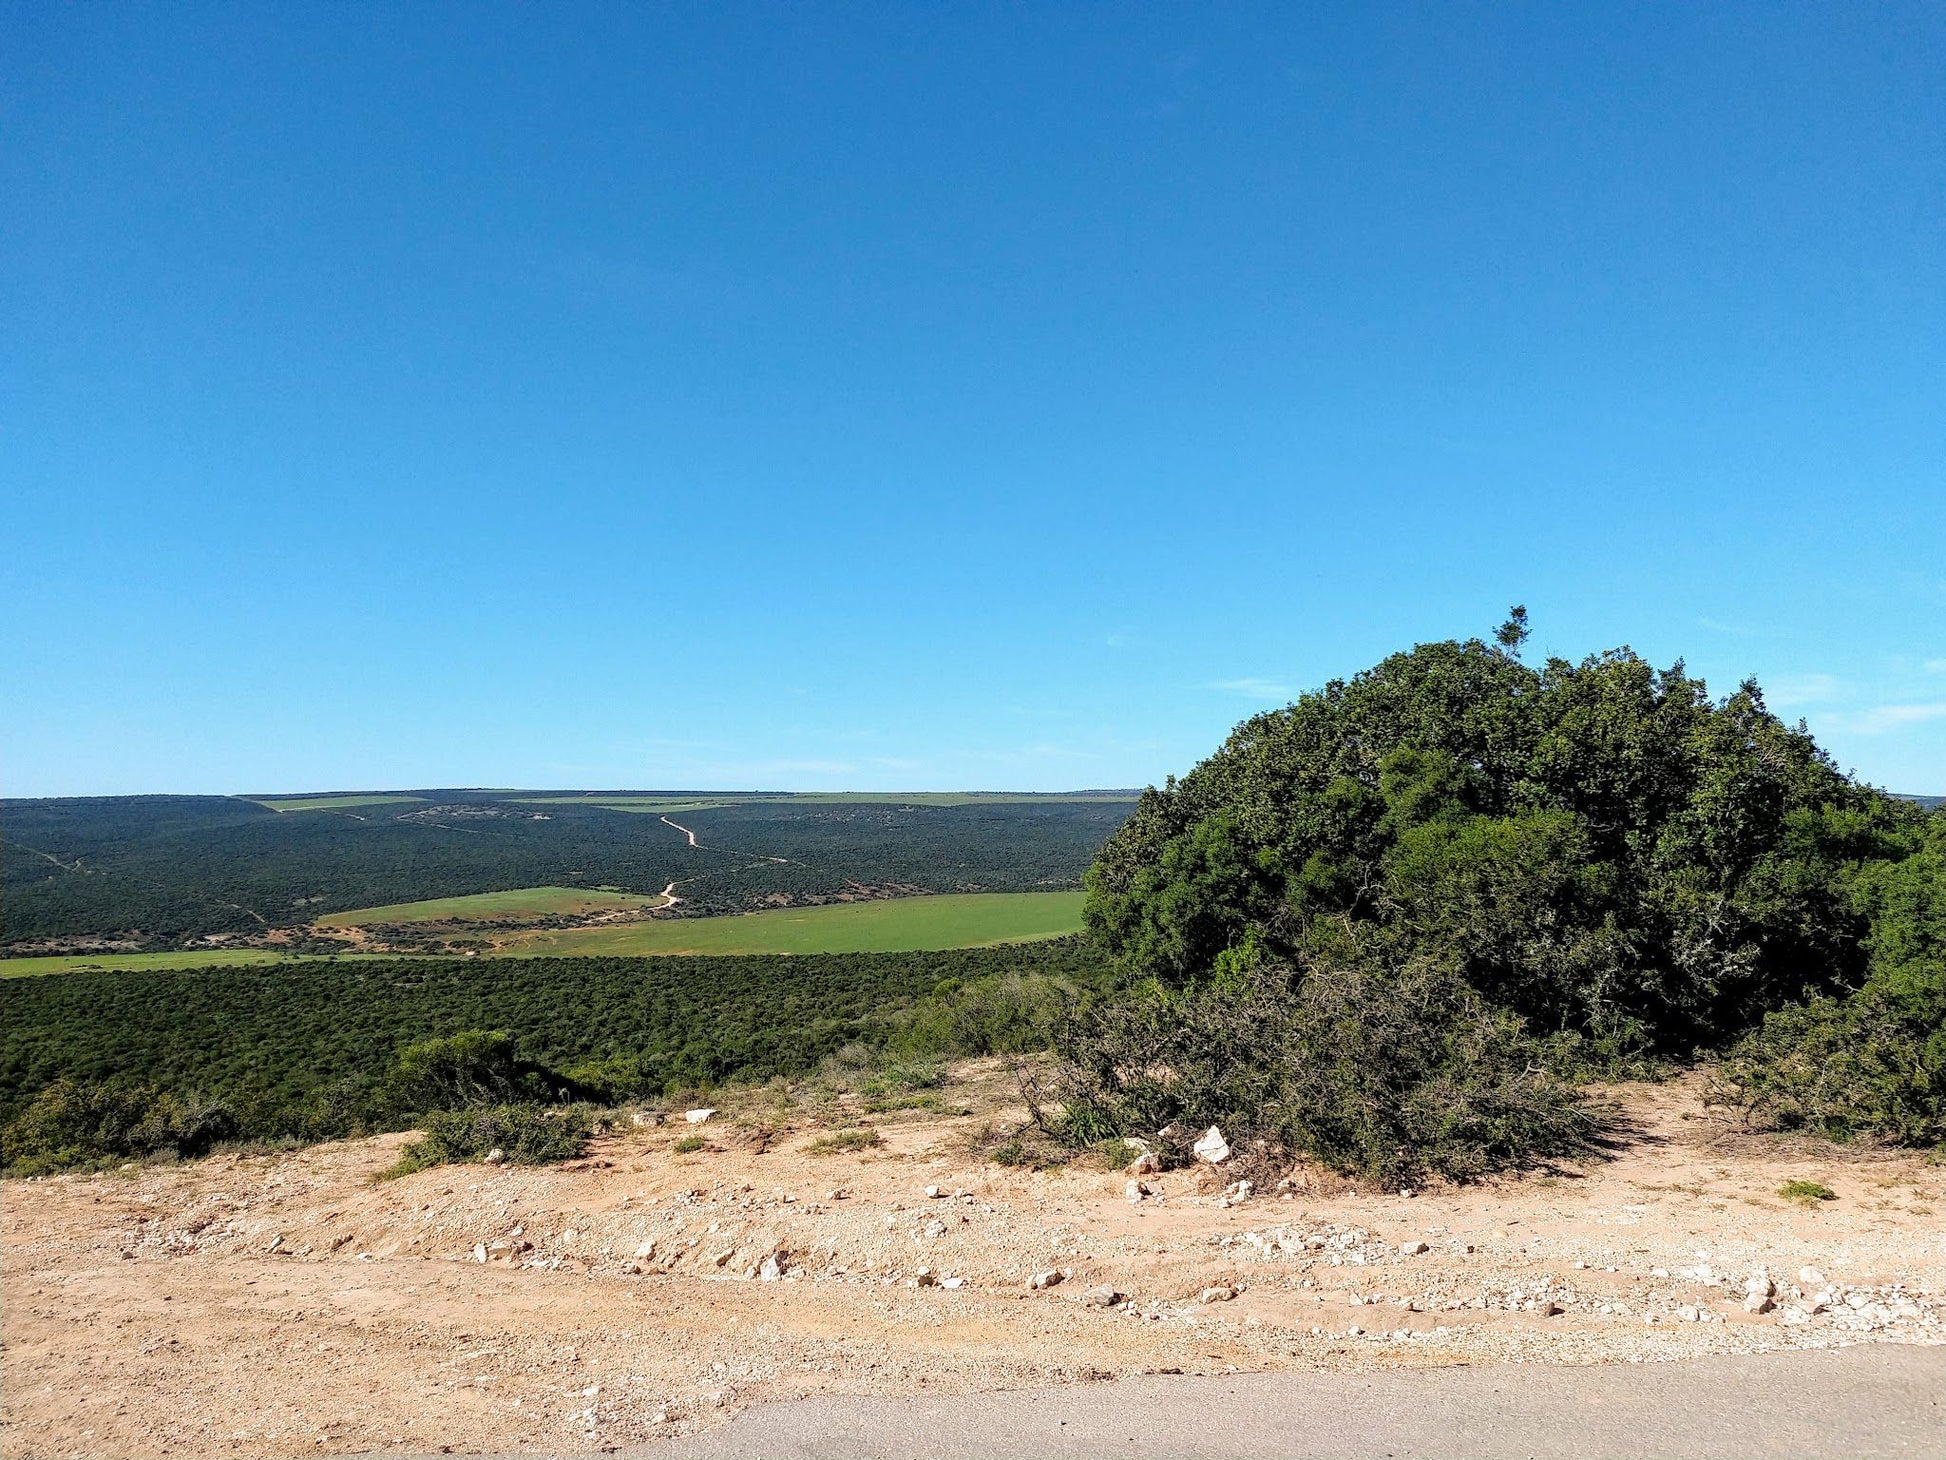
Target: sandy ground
x=289, y=1304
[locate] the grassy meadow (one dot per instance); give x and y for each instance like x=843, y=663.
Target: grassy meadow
x=898, y=925
x=523, y=904
x=332, y=803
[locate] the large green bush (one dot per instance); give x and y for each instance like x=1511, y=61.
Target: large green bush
x=1387, y=1073
x=524, y=1134
x=1597, y=856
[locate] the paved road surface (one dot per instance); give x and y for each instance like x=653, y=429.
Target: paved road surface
x=1882, y=1399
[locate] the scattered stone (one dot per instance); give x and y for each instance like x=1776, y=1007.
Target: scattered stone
x=772, y=1267
x=952, y=1282
x=1104, y=1296
x=646, y=1249
x=1212, y=1147
x=1146, y=1164
x=1810, y=1277
x=1136, y=1191
x=1412, y=1249
x=1551, y=1310
x=924, y=1277
x=1222, y=1293
x=1053, y=1277
x=479, y=1252
x=495, y=1156
x=1759, y=1294
x=697, y=1117
x=935, y=1192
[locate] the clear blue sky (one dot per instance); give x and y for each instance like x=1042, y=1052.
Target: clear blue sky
x=942, y=396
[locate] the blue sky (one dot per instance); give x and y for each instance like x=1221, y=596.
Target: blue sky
x=942, y=396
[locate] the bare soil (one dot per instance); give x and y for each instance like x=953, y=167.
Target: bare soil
x=291, y=1304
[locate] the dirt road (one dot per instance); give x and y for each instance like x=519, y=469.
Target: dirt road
x=287, y=1304
x=1877, y=1400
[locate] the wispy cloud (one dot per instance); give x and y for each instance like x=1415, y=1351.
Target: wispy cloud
x=1722, y=627
x=1801, y=689
x=1936, y=666
x=1257, y=689
x=1885, y=719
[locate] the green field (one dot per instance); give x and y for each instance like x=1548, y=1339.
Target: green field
x=120, y=962
x=523, y=904
x=900, y=925
x=655, y=804
x=332, y=803
x=665, y=804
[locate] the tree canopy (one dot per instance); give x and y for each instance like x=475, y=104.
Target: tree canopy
x=1624, y=864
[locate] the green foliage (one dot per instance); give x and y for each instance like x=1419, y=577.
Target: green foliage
x=72, y=1124
x=1388, y=1074
x=689, y=1145
x=1873, y=1063
x=1364, y=925
x=525, y=1134
x=999, y=1013
x=317, y=1051
x=473, y=1067
x=859, y=1138
x=154, y=871
x=1600, y=845
x=1807, y=1192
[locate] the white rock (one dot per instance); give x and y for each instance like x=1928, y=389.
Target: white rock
x=646, y=1248
x=771, y=1268
x=697, y=1117
x=935, y=1192
x=1212, y=1147
x=1145, y=1164
x=479, y=1252
x=1136, y=1190
x=1413, y=1249
x=1810, y=1277
x=1222, y=1293
x=495, y=1156
x=952, y=1282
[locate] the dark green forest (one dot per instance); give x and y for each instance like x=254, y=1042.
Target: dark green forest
x=1389, y=924
x=102, y=1066
x=157, y=871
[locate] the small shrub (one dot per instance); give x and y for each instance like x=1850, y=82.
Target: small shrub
x=689, y=1145
x=529, y=1135
x=1808, y=1192
x=1114, y=1154
x=859, y=1138
x=1872, y=1066
x=1012, y=1152
x=1380, y=1072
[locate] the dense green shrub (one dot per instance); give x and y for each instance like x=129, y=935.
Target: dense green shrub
x=525, y=1134
x=316, y=1051
x=1873, y=1063
x=1390, y=1074
x=73, y=1124
x=1461, y=866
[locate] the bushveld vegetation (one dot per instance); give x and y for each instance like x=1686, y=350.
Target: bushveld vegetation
x=104, y=1067
x=1389, y=924
x=152, y=872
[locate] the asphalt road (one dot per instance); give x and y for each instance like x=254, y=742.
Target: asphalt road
x=1876, y=1400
